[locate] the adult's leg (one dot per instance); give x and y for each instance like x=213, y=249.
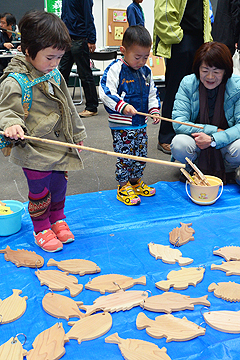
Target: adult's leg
x=183, y=146
x=80, y=52
x=66, y=64
x=231, y=156
x=178, y=66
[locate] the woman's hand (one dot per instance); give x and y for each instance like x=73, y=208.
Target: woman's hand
x=14, y=132
x=203, y=141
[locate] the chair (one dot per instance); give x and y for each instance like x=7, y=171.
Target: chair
x=103, y=55
x=74, y=74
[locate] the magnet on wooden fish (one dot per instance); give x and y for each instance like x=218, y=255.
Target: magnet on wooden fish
x=181, y=279
x=223, y=320
x=61, y=306
x=168, y=302
x=170, y=327
x=90, y=327
x=13, y=349
x=230, y=267
x=180, y=236
x=229, y=291
x=59, y=281
x=120, y=300
x=76, y=266
x=113, y=282
x=49, y=343
x=23, y=257
x=168, y=255
x=132, y=349
x=13, y=307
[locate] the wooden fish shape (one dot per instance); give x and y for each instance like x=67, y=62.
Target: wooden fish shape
x=59, y=281
x=75, y=266
x=5, y=210
x=223, y=320
x=132, y=349
x=168, y=255
x=170, y=327
x=168, y=302
x=228, y=252
x=90, y=327
x=120, y=300
x=113, y=282
x=181, y=279
x=12, y=350
x=230, y=267
x=229, y=291
x=13, y=307
x=61, y=307
x=49, y=344
x=182, y=235
x=23, y=257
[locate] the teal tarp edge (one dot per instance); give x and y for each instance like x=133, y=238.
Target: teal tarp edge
x=116, y=237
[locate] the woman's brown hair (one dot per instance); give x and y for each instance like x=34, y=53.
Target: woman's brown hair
x=214, y=54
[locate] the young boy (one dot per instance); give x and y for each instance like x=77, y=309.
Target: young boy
x=127, y=87
x=135, y=15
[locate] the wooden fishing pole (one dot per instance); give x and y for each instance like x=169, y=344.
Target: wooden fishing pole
x=11, y=31
x=105, y=152
x=166, y=119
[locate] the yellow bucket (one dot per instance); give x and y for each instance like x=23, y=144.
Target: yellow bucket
x=205, y=195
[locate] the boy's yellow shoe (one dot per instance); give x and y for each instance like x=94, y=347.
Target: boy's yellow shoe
x=126, y=195
x=142, y=189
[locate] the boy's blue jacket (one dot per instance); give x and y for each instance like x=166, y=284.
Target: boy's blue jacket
x=121, y=85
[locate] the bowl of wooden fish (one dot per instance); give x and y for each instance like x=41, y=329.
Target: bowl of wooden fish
x=10, y=217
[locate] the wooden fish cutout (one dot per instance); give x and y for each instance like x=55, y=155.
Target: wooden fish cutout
x=120, y=300
x=132, y=349
x=229, y=291
x=182, y=235
x=23, y=257
x=230, y=267
x=12, y=350
x=59, y=281
x=13, y=307
x=181, y=279
x=76, y=266
x=61, y=307
x=49, y=344
x=228, y=252
x=168, y=255
x=170, y=327
x=168, y=302
x=223, y=320
x=5, y=210
x=90, y=327
x=113, y=282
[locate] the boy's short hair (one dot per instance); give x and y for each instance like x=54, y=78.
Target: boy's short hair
x=10, y=18
x=136, y=35
x=40, y=29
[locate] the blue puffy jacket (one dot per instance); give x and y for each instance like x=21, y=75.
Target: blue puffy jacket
x=121, y=85
x=186, y=109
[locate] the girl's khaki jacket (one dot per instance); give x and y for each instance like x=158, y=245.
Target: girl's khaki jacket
x=52, y=116
x=167, y=31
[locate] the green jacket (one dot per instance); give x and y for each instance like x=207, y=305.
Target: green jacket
x=52, y=116
x=167, y=17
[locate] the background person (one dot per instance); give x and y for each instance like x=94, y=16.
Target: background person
x=209, y=97
x=135, y=15
x=7, y=22
x=77, y=15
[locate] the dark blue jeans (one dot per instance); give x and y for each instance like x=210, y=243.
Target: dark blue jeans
x=79, y=54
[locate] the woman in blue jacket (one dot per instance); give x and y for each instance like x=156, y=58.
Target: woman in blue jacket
x=210, y=97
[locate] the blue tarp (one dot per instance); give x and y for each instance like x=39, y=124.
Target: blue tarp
x=116, y=238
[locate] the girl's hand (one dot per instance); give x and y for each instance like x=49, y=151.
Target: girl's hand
x=81, y=144
x=202, y=140
x=129, y=110
x=14, y=132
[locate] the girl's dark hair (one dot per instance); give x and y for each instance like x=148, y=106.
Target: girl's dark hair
x=40, y=29
x=214, y=54
x=136, y=35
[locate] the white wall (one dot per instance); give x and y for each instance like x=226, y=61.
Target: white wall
x=100, y=16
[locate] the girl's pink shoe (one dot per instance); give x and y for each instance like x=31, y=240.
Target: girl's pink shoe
x=62, y=231
x=48, y=241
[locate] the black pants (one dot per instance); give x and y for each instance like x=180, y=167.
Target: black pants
x=79, y=54
x=178, y=66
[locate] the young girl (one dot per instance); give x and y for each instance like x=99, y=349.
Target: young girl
x=35, y=100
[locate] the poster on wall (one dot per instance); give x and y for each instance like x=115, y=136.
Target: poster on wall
x=54, y=6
